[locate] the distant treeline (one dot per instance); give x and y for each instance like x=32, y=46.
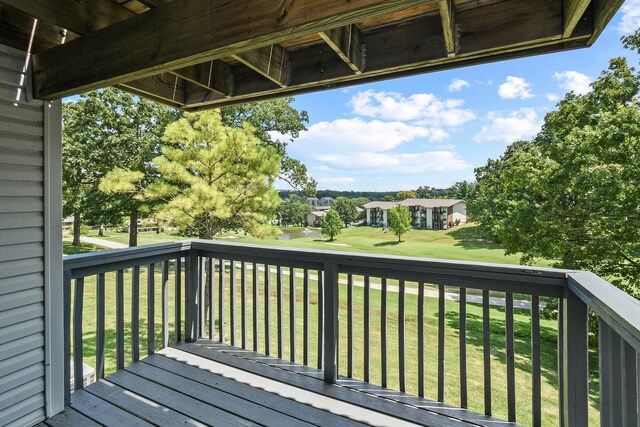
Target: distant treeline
x=460, y=190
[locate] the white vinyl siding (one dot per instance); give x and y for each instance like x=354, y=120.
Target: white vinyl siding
x=22, y=322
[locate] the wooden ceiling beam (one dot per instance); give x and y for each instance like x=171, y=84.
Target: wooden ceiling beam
x=270, y=61
x=79, y=16
x=603, y=12
x=347, y=42
x=447, y=15
x=188, y=32
x=214, y=75
x=415, y=48
x=573, y=11
x=166, y=88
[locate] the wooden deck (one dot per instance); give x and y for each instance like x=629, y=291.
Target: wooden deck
x=213, y=384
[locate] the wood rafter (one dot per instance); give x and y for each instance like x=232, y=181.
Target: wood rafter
x=214, y=75
x=270, y=61
x=447, y=15
x=347, y=43
x=573, y=11
x=171, y=36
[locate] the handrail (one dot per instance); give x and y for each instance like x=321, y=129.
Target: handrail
x=620, y=310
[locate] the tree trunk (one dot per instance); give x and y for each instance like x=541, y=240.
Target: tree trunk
x=76, y=229
x=101, y=231
x=133, y=228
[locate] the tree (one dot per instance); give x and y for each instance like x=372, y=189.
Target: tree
x=409, y=194
x=331, y=224
x=211, y=178
x=570, y=194
x=293, y=210
x=399, y=221
x=103, y=130
x=360, y=201
x=426, y=192
x=347, y=210
x=275, y=117
x=388, y=198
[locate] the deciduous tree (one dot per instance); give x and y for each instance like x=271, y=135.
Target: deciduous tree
x=399, y=221
x=347, y=210
x=331, y=224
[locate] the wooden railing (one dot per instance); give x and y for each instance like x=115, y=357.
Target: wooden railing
x=369, y=317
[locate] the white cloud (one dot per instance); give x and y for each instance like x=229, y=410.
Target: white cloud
x=573, y=81
x=397, y=163
x=520, y=124
x=630, y=20
x=457, y=85
x=336, y=181
x=553, y=97
x=515, y=87
x=356, y=135
x=424, y=108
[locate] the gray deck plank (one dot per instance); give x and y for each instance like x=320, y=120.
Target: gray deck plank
x=97, y=409
x=70, y=418
x=278, y=403
x=215, y=397
x=139, y=405
x=403, y=412
x=177, y=401
x=392, y=395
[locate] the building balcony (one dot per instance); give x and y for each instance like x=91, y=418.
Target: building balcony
x=207, y=333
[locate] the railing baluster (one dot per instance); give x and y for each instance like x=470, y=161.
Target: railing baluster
x=192, y=297
x=212, y=297
x=178, y=300
x=421, y=339
x=367, y=341
x=441, y=313
x=77, y=333
x=401, y=358
x=331, y=302
x=617, y=380
x=202, y=305
x=165, y=303
x=280, y=318
x=350, y=326
x=292, y=313
x=383, y=331
x=463, y=347
x=100, y=325
x=221, y=276
x=243, y=296
x=66, y=295
x=232, y=301
x=254, y=278
x=320, y=318
x=305, y=326
x=120, y=319
x=267, y=309
x=511, y=374
x=486, y=350
x=135, y=313
x=606, y=367
x=151, y=313
x=630, y=386
x=536, y=405
x=560, y=347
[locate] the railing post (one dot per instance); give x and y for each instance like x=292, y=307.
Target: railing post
x=330, y=310
x=191, y=294
x=575, y=362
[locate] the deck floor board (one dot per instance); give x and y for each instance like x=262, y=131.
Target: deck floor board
x=208, y=383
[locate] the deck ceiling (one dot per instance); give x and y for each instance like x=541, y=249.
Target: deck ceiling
x=199, y=54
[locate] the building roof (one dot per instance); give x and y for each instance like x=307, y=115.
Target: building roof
x=380, y=205
x=319, y=213
x=243, y=51
x=431, y=203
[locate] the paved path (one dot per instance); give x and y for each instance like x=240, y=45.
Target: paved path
x=475, y=299
x=104, y=243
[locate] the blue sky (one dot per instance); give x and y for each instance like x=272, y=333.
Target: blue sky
x=435, y=128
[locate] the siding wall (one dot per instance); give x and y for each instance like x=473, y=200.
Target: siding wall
x=22, y=323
